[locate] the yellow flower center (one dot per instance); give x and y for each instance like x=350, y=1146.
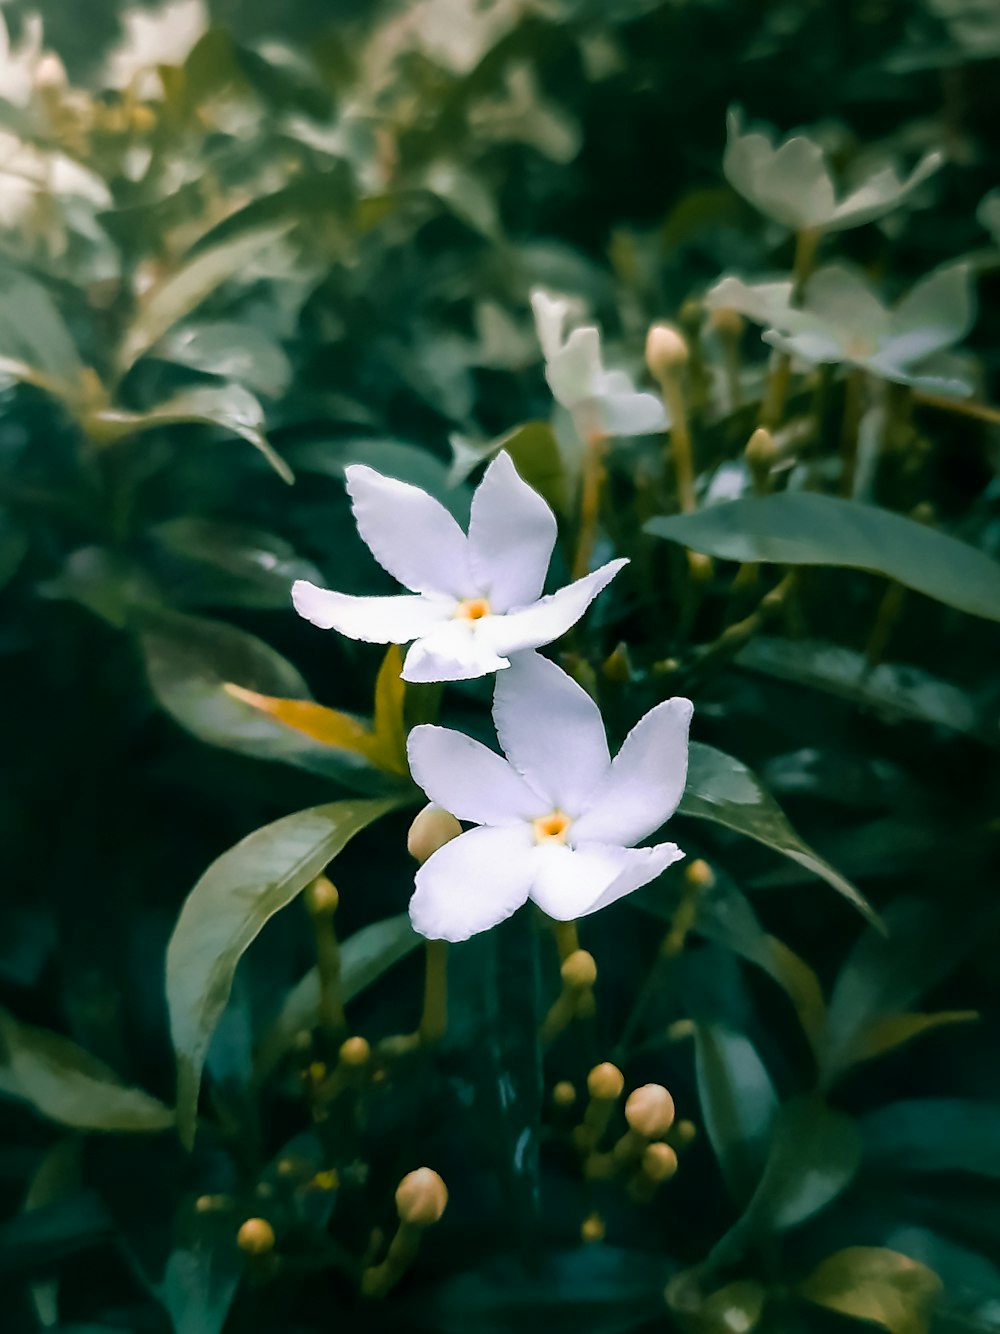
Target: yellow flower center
x=554, y=827
x=472, y=609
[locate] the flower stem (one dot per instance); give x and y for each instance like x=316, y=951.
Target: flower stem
x=591, y=485
x=853, y=406
x=567, y=938
x=331, y=1005
x=434, y=1020
x=680, y=438
x=779, y=378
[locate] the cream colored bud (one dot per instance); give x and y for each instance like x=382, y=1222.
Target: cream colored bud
x=605, y=1082
x=666, y=350
x=680, y=1030
x=421, y=1197
x=432, y=829
x=650, y=1111
x=690, y=315
x=699, y=874
x=579, y=970
x=50, y=72
x=761, y=452
x=659, y=1162
x=355, y=1052
x=700, y=566
x=564, y=1094
x=685, y=1133
x=322, y=898
x=212, y=1204
x=592, y=1229
x=256, y=1237
x=727, y=322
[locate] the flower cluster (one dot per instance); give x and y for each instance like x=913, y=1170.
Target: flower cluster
x=556, y=819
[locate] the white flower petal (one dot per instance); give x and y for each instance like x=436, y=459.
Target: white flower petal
x=512, y=533
x=410, y=533
x=641, y=866
x=388, y=620
x=467, y=779
x=549, y=617
x=551, y=731
x=455, y=651
x=550, y=314
x=473, y=882
x=645, y=782
x=569, y=881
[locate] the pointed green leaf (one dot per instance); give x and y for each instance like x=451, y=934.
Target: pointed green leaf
x=225, y=564
x=876, y=1285
x=231, y=351
x=738, y=1103
x=806, y=528
x=225, y=912
x=722, y=789
x=934, y=1135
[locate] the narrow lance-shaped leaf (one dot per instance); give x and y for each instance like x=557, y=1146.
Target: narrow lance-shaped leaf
x=65, y=1083
x=934, y=1135
x=722, y=789
x=738, y=1103
x=228, y=907
x=806, y=528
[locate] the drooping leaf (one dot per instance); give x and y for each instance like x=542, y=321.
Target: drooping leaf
x=806, y=528
x=231, y=351
x=227, y=909
x=215, y=563
x=364, y=957
x=230, y=407
x=738, y=1103
x=876, y=1285
x=934, y=1135
x=175, y=298
x=65, y=1083
x=815, y=1151
x=722, y=789
x=894, y=1030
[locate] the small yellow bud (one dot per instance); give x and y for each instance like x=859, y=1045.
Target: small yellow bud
x=50, y=72
x=421, y=1197
x=302, y=1042
x=659, y=1162
x=264, y=1190
x=666, y=350
x=690, y=314
x=328, y=1180
x=256, y=1237
x=579, y=970
x=431, y=829
x=700, y=566
x=322, y=897
x=212, y=1204
x=680, y=1030
x=727, y=322
x=592, y=1229
x=617, y=667
x=564, y=1094
x=355, y=1052
x=685, y=1133
x=650, y=1111
x=761, y=452
x=292, y=1167
x=143, y=119
x=605, y=1082
x=699, y=874
x=317, y=1072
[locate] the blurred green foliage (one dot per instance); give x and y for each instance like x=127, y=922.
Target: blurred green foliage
x=254, y=243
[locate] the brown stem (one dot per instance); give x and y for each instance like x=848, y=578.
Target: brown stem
x=591, y=484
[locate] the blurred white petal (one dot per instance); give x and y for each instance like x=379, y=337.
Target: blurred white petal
x=473, y=882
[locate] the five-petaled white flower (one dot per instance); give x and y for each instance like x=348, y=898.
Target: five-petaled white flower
x=558, y=818
x=475, y=598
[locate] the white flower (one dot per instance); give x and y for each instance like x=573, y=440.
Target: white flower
x=475, y=598
x=163, y=36
x=558, y=818
x=606, y=402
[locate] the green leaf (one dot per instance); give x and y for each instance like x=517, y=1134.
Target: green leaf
x=814, y=1154
x=726, y=917
x=198, y=1285
x=65, y=1083
x=878, y=1285
x=600, y=1289
x=934, y=1135
x=364, y=957
x=231, y=351
x=894, y=1030
x=394, y=458
x=107, y=584
x=722, y=789
x=738, y=1103
x=33, y=332
x=175, y=299
x=535, y=452
x=56, y=1178
x=229, y=406
x=736, y=1307
x=227, y=564
x=13, y=547
x=227, y=909
x=806, y=528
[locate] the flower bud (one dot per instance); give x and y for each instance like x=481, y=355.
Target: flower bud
x=727, y=322
x=650, y=1111
x=50, y=72
x=592, y=1229
x=690, y=315
x=659, y=1162
x=143, y=119
x=355, y=1052
x=700, y=566
x=699, y=874
x=666, y=350
x=256, y=1237
x=431, y=829
x=564, y=1094
x=605, y=1082
x=579, y=970
x=617, y=667
x=212, y=1204
x=685, y=1133
x=421, y=1197
x=322, y=897
x=326, y=1180
x=680, y=1030
x=761, y=452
